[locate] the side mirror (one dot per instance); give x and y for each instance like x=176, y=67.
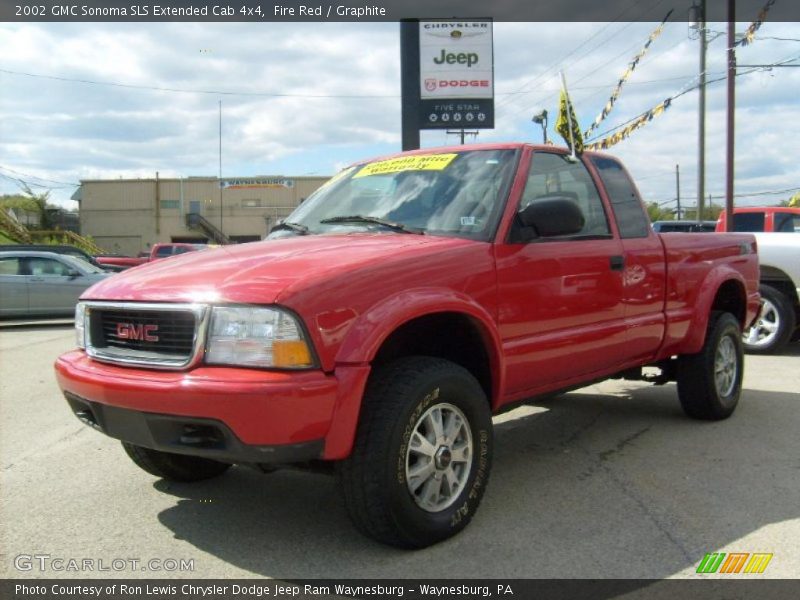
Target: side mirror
x=73, y=274
x=553, y=216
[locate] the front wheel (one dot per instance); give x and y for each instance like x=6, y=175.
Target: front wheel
x=710, y=382
x=422, y=453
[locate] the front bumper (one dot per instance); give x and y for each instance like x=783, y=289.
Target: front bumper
x=231, y=414
x=207, y=438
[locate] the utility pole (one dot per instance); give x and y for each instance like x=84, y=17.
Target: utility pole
x=462, y=133
x=701, y=130
x=409, y=83
x=220, y=166
x=731, y=114
x=678, y=188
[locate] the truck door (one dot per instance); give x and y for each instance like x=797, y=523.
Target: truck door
x=644, y=271
x=560, y=299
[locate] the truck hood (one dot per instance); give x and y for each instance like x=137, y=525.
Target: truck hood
x=259, y=272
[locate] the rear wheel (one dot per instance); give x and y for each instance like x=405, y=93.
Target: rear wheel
x=175, y=467
x=775, y=324
x=422, y=454
x=710, y=382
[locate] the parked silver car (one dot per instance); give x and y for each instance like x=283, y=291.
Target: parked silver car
x=43, y=283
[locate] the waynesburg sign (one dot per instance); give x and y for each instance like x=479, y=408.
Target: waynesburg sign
x=456, y=74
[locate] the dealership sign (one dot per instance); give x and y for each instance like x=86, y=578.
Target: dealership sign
x=256, y=182
x=456, y=74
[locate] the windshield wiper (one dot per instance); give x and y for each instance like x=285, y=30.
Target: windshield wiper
x=296, y=227
x=377, y=220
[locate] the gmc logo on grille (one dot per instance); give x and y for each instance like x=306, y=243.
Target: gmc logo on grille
x=130, y=331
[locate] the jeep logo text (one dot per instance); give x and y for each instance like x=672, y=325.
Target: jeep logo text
x=462, y=58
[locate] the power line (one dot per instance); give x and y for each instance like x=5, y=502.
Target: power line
x=66, y=183
x=268, y=94
x=156, y=88
x=560, y=61
x=606, y=86
x=739, y=195
x=694, y=87
x=592, y=71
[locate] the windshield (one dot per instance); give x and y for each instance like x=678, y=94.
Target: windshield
x=80, y=264
x=451, y=194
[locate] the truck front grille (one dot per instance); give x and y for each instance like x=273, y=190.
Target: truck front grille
x=150, y=335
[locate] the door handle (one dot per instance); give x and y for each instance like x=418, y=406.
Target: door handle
x=617, y=263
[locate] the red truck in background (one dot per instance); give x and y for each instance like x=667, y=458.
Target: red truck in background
x=165, y=250
x=401, y=305
x=756, y=219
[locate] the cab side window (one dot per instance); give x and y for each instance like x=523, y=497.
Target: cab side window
x=555, y=175
x=10, y=266
x=47, y=267
x=632, y=221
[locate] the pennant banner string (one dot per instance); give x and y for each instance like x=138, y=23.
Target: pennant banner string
x=624, y=131
x=626, y=75
x=750, y=34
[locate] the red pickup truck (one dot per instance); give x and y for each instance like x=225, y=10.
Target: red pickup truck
x=755, y=219
x=158, y=251
x=397, y=309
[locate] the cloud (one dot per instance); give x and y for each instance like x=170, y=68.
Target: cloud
x=67, y=131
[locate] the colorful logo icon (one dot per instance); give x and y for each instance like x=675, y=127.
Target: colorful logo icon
x=734, y=562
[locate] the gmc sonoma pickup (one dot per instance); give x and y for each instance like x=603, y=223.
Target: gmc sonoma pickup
x=392, y=313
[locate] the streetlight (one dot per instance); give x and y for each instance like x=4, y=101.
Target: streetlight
x=541, y=119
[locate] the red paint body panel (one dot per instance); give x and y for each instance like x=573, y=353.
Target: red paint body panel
x=184, y=247
x=551, y=314
x=261, y=407
x=122, y=261
x=768, y=211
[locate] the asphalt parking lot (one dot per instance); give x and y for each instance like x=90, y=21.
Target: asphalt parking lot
x=608, y=481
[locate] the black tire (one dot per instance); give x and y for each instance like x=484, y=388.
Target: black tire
x=778, y=313
x=698, y=386
x=174, y=467
x=400, y=400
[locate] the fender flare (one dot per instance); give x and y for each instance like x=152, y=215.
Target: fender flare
x=706, y=294
x=373, y=327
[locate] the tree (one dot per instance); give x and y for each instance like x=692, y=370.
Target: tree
x=710, y=213
x=18, y=201
x=657, y=213
x=40, y=201
x=33, y=202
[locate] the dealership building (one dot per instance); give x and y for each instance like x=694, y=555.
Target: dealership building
x=127, y=216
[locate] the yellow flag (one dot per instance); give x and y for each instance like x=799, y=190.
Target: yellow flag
x=567, y=122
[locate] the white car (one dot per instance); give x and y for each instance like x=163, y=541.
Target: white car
x=779, y=256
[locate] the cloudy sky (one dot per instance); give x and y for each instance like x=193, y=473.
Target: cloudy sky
x=309, y=98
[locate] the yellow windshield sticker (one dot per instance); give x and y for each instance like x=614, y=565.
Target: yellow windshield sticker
x=426, y=162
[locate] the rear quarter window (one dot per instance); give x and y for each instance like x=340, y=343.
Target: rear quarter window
x=628, y=211
x=787, y=222
x=749, y=221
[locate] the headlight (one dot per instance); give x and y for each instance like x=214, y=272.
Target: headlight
x=80, y=324
x=256, y=337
